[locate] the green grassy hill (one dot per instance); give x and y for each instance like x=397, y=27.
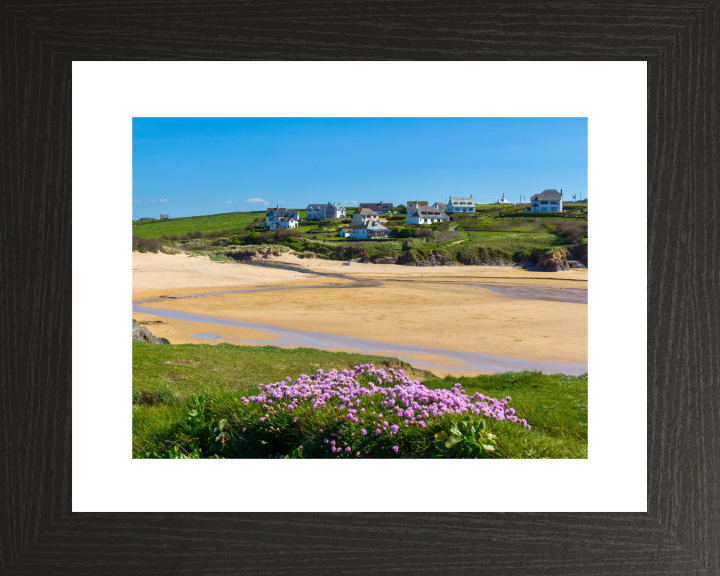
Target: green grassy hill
x=234, y=221
x=228, y=221
x=498, y=235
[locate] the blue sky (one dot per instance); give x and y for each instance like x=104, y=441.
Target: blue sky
x=193, y=166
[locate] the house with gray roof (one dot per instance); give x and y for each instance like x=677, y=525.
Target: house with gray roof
x=271, y=214
x=549, y=200
x=440, y=206
x=457, y=205
x=370, y=229
x=315, y=212
x=379, y=207
x=327, y=211
x=426, y=215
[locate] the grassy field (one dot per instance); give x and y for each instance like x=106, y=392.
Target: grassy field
x=165, y=377
x=179, y=226
x=235, y=221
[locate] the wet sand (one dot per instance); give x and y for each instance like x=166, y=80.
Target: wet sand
x=432, y=308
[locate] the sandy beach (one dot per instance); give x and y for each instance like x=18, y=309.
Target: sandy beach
x=430, y=307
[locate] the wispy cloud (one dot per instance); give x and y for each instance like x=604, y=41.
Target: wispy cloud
x=152, y=201
x=256, y=201
x=228, y=202
x=137, y=201
x=163, y=200
x=354, y=201
x=345, y=202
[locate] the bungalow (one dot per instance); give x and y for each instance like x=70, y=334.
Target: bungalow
x=145, y=219
x=285, y=222
x=325, y=211
x=412, y=204
x=461, y=205
x=363, y=215
x=164, y=216
x=426, y=215
x=380, y=207
x=272, y=213
x=546, y=201
x=368, y=230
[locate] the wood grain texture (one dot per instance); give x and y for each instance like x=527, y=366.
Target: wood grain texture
x=679, y=535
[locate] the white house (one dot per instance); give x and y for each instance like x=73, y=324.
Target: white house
x=283, y=222
x=380, y=207
x=546, y=201
x=315, y=212
x=426, y=215
x=327, y=211
x=333, y=211
x=440, y=206
x=461, y=205
x=364, y=215
x=367, y=230
x=271, y=214
x=502, y=200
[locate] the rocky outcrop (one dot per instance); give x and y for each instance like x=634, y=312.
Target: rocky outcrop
x=553, y=262
x=576, y=264
x=142, y=334
x=547, y=260
x=385, y=260
x=580, y=253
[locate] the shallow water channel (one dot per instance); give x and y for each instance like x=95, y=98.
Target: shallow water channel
x=432, y=358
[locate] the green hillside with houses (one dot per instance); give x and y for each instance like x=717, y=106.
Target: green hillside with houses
x=501, y=234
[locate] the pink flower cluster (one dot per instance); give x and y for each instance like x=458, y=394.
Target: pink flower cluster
x=407, y=399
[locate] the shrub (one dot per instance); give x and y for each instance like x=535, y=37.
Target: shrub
x=282, y=235
x=401, y=231
x=145, y=244
x=569, y=231
x=423, y=233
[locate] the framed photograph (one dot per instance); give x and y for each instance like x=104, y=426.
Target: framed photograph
x=89, y=484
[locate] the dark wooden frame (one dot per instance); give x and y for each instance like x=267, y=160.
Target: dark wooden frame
x=680, y=533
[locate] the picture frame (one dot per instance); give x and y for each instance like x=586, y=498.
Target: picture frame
x=680, y=531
